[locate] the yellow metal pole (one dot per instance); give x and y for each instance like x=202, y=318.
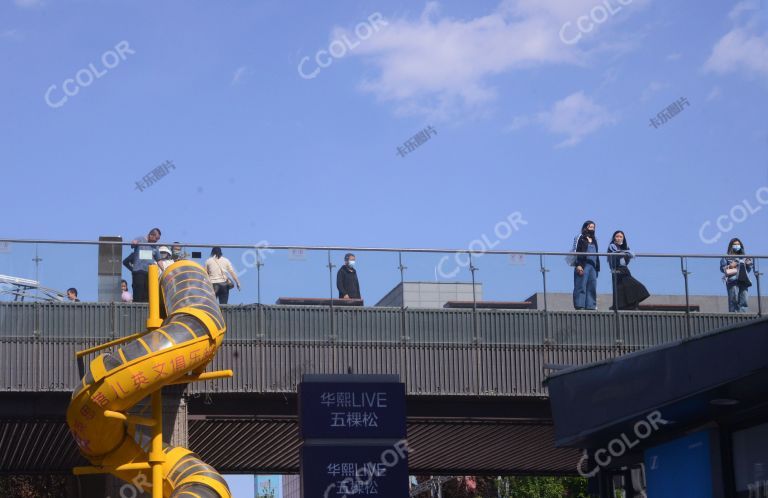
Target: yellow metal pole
x=156, y=455
x=153, y=280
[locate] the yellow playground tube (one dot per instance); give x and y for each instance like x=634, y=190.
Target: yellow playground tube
x=174, y=351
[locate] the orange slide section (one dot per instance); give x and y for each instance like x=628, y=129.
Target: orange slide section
x=177, y=352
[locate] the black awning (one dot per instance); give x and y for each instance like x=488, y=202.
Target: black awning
x=687, y=381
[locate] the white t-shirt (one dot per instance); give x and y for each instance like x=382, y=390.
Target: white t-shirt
x=217, y=267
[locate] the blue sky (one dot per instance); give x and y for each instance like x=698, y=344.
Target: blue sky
x=527, y=121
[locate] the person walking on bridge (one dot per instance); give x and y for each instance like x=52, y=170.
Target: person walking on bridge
x=221, y=273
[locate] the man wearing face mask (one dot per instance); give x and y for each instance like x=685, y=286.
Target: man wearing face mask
x=346, y=279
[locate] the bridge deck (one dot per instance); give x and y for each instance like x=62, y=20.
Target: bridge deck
x=476, y=403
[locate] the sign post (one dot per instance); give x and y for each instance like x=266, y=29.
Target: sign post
x=353, y=436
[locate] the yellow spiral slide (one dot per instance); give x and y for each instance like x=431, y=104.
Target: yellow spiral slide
x=174, y=351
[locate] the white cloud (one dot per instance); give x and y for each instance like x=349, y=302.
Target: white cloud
x=439, y=66
x=674, y=56
x=11, y=34
x=238, y=75
x=653, y=87
x=518, y=123
x=575, y=116
x=744, y=48
x=714, y=94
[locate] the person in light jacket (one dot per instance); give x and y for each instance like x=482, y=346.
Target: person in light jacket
x=222, y=275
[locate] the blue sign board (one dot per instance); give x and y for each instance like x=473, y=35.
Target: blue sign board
x=681, y=468
x=352, y=410
x=354, y=471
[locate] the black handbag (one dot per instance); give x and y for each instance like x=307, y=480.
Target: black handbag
x=743, y=278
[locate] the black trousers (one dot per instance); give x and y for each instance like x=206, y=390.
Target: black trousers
x=222, y=292
x=139, y=284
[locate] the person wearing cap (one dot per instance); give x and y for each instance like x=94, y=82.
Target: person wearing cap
x=346, y=279
x=166, y=258
x=178, y=252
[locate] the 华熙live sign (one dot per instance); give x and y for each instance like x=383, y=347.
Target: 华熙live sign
x=357, y=410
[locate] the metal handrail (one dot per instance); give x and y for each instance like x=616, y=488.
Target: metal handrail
x=378, y=249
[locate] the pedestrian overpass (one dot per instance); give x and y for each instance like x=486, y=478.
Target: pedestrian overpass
x=475, y=399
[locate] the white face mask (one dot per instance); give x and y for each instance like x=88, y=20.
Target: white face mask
x=736, y=247
x=351, y=262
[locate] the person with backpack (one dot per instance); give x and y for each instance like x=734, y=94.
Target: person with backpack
x=628, y=292
x=735, y=274
x=586, y=269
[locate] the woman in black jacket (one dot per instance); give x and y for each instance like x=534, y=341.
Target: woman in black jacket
x=587, y=269
x=628, y=292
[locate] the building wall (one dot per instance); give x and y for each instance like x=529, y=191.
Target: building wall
x=426, y=295
x=291, y=486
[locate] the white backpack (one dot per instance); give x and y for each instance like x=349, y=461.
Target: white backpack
x=571, y=258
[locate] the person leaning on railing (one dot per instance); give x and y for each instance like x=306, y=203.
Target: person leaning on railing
x=628, y=291
x=735, y=274
x=138, y=263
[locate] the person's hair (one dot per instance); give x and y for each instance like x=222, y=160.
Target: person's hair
x=623, y=246
x=585, y=225
x=72, y=290
x=216, y=252
x=347, y=256
x=158, y=231
x=730, y=246
x=124, y=282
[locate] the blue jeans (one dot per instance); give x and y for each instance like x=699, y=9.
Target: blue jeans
x=585, y=289
x=737, y=299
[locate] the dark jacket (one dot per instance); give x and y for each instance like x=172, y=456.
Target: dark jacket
x=581, y=246
x=346, y=282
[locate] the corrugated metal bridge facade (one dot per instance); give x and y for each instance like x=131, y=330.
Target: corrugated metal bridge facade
x=474, y=378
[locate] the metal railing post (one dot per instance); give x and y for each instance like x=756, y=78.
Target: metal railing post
x=543, y=269
x=684, y=270
x=757, y=273
x=402, y=268
x=617, y=323
x=331, y=266
x=259, y=264
x=473, y=269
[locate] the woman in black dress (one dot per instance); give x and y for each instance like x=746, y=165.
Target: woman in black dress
x=628, y=292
